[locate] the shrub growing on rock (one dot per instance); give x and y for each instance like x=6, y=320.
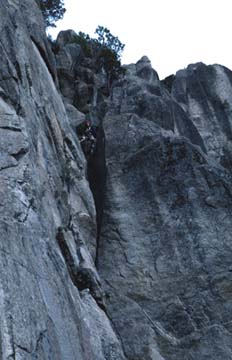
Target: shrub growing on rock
x=105, y=51
x=84, y=41
x=109, y=53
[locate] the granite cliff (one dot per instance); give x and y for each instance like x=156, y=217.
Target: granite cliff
x=125, y=255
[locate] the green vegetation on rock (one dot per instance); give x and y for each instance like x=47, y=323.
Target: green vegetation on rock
x=52, y=10
x=106, y=49
x=109, y=41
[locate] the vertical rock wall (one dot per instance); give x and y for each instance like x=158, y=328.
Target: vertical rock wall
x=165, y=241
x=49, y=288
x=161, y=176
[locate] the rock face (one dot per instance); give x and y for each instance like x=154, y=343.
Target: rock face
x=205, y=92
x=139, y=268
x=165, y=240
x=49, y=288
x=83, y=82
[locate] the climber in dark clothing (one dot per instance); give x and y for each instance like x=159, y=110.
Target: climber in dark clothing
x=88, y=138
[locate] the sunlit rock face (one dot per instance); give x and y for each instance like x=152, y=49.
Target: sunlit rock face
x=125, y=254
x=49, y=288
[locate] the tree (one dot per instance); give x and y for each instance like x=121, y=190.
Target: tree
x=105, y=50
x=52, y=10
x=84, y=41
x=109, y=41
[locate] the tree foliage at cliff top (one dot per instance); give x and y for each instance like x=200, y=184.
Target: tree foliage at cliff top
x=105, y=48
x=105, y=41
x=52, y=10
x=109, y=41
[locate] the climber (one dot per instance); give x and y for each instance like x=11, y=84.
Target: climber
x=87, y=137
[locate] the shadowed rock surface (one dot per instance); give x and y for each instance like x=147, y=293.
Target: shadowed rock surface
x=157, y=223
x=165, y=240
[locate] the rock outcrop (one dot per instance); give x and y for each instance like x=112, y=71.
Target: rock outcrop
x=125, y=255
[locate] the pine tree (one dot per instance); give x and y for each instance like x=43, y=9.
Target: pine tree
x=109, y=41
x=52, y=10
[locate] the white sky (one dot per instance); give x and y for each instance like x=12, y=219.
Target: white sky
x=172, y=33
